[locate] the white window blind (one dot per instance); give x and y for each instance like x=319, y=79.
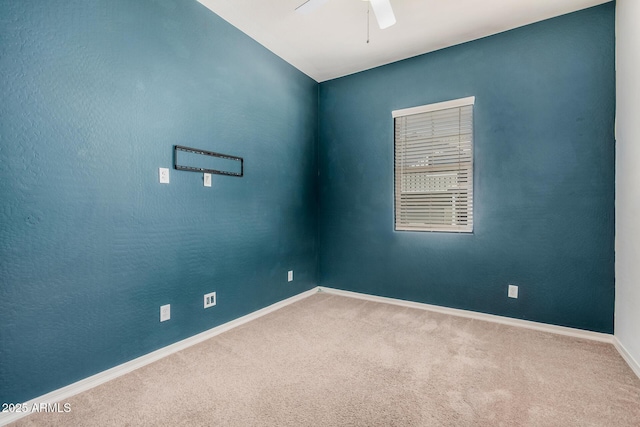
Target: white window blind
x=434, y=167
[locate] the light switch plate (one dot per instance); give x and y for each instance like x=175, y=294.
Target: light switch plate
x=513, y=291
x=207, y=179
x=290, y=276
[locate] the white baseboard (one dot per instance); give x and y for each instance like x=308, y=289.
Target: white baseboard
x=544, y=327
x=117, y=371
x=633, y=363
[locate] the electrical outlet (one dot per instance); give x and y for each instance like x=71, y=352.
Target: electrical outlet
x=290, y=276
x=165, y=312
x=513, y=291
x=207, y=179
x=209, y=300
x=163, y=174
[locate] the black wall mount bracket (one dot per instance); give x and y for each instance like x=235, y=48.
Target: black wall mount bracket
x=178, y=148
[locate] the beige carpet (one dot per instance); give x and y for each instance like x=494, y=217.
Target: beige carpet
x=336, y=361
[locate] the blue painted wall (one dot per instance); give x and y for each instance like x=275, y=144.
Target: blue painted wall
x=544, y=176
x=94, y=96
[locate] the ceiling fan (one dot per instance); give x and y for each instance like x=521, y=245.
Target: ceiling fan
x=381, y=8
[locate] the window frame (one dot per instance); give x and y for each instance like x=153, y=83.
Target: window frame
x=467, y=190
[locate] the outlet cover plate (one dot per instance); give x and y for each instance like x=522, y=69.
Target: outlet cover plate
x=163, y=174
x=209, y=300
x=513, y=291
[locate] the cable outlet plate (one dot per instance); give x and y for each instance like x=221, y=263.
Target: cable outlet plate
x=209, y=300
x=165, y=312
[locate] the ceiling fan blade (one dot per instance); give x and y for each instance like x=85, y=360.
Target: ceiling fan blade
x=383, y=11
x=309, y=6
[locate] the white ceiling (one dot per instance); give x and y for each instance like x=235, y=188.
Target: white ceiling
x=331, y=41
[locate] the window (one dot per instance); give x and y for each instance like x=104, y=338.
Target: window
x=434, y=167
